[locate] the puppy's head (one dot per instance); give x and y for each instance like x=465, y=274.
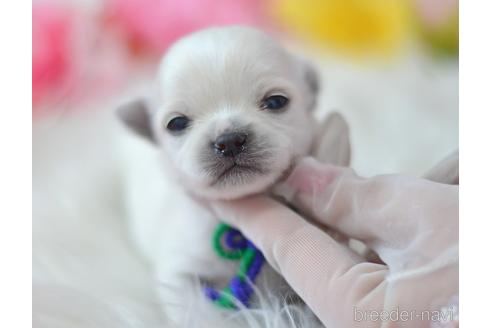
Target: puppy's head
x=232, y=111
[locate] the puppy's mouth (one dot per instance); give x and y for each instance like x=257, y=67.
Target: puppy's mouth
x=228, y=165
x=236, y=174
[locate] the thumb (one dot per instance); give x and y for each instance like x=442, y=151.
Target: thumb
x=273, y=227
x=387, y=210
x=317, y=267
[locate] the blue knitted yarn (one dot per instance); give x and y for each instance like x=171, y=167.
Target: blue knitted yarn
x=235, y=240
x=240, y=286
x=211, y=293
x=241, y=289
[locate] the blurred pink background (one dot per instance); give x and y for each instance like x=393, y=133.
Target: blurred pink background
x=84, y=51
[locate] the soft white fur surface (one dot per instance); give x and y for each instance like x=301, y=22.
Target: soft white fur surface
x=87, y=272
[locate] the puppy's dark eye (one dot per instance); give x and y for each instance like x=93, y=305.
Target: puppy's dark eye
x=178, y=124
x=275, y=103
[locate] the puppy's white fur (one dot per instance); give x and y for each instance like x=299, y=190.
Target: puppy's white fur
x=218, y=78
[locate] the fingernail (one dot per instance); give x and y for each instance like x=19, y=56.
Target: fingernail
x=312, y=177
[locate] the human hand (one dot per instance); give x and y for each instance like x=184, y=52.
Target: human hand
x=412, y=224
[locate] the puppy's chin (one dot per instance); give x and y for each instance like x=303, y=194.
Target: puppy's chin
x=237, y=183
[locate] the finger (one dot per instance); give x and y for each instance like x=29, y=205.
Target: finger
x=446, y=171
x=268, y=223
x=385, y=210
x=317, y=267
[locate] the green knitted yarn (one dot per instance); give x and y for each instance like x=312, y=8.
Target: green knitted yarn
x=221, y=229
x=248, y=256
x=226, y=299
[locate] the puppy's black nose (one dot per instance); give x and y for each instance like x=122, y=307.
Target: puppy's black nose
x=230, y=144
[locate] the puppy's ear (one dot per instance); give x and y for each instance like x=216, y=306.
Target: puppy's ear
x=447, y=171
x=310, y=75
x=332, y=141
x=136, y=116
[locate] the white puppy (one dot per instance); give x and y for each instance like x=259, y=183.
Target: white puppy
x=231, y=113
